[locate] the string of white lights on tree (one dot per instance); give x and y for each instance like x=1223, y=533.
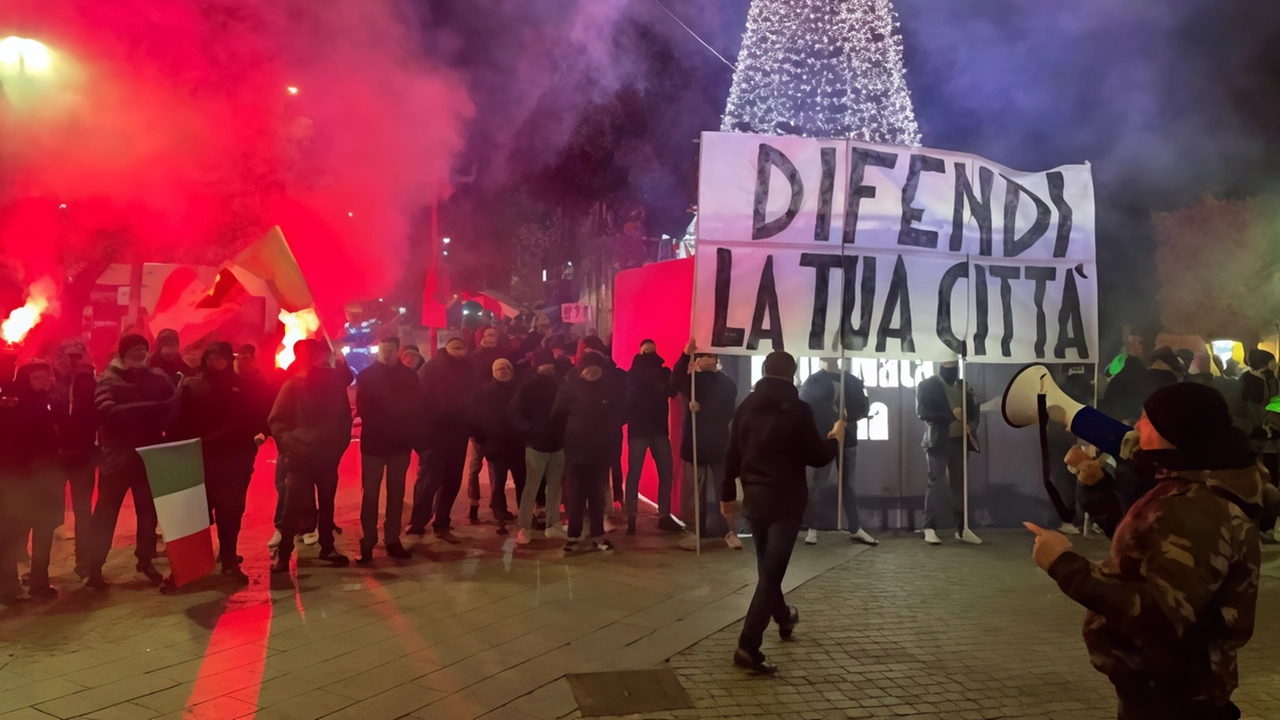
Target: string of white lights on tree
x=822, y=68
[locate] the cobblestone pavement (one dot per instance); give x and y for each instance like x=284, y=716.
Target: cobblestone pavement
x=912, y=631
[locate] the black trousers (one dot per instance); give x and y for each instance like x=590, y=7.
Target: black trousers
x=226, y=483
x=41, y=550
x=585, y=483
x=309, y=479
x=372, y=468
x=438, y=483
x=114, y=480
x=499, y=469
x=774, y=540
x=1172, y=707
x=82, y=477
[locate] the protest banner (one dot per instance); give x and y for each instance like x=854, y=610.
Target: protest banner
x=825, y=246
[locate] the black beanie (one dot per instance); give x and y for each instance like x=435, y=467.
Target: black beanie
x=543, y=356
x=1194, y=419
x=591, y=360
x=129, y=342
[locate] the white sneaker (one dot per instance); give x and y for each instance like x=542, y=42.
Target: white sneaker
x=1069, y=529
x=274, y=542
x=969, y=537
x=931, y=536
x=311, y=538
x=557, y=532
x=811, y=537
x=862, y=537
x=732, y=541
x=603, y=545
x=522, y=537
x=1097, y=529
x=689, y=542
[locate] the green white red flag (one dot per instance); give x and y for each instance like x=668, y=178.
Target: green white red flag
x=175, y=472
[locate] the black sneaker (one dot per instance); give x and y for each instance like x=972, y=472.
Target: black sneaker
x=95, y=580
x=631, y=526
x=475, y=515
x=43, y=591
x=570, y=546
x=150, y=572
x=365, y=557
x=397, y=551
x=335, y=558
x=786, y=628
x=670, y=524
x=755, y=662
x=281, y=564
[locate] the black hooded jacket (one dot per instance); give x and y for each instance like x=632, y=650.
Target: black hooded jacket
x=31, y=484
x=311, y=420
x=530, y=413
x=648, y=397
x=717, y=396
x=491, y=425
x=448, y=385
x=137, y=406
x=590, y=415
x=774, y=439
x=215, y=408
x=389, y=404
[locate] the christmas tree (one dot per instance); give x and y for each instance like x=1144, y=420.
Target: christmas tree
x=822, y=68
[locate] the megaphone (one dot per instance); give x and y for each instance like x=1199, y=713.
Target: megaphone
x=1021, y=408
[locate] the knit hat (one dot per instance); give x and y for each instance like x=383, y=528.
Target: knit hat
x=129, y=342
x=1259, y=359
x=591, y=360
x=502, y=362
x=591, y=342
x=1194, y=418
x=647, y=341
x=74, y=346
x=543, y=356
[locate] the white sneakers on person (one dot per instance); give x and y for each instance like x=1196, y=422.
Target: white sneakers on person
x=931, y=536
x=731, y=539
x=557, y=532
x=689, y=542
x=522, y=537
x=811, y=537
x=603, y=545
x=1069, y=529
x=862, y=537
x=311, y=538
x=969, y=537
x=274, y=542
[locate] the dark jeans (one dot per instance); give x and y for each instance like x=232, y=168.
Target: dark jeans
x=309, y=479
x=41, y=550
x=660, y=448
x=82, y=477
x=774, y=540
x=499, y=468
x=615, y=469
x=709, y=521
x=585, y=484
x=371, y=470
x=438, y=483
x=226, y=484
x=129, y=476
x=282, y=472
x=946, y=465
x=1172, y=706
x=822, y=513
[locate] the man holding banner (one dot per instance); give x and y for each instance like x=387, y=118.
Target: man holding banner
x=939, y=405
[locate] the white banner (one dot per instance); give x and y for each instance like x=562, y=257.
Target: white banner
x=902, y=252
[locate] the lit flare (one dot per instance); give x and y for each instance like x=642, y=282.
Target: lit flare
x=41, y=298
x=297, y=326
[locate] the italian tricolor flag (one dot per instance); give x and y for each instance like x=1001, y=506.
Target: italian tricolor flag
x=175, y=472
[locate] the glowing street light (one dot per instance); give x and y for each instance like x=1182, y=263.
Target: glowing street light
x=24, y=56
x=445, y=241
x=293, y=90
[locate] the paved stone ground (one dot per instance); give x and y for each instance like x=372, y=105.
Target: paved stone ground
x=486, y=630
x=912, y=631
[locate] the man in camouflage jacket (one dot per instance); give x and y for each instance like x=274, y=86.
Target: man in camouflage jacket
x=1168, y=611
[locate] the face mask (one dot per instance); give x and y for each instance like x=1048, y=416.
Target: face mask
x=949, y=374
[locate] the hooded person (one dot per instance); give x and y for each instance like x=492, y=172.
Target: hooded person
x=31, y=479
x=501, y=442
x=447, y=383
x=773, y=439
x=530, y=414
x=215, y=408
x=311, y=422
x=1164, y=367
x=137, y=405
x=168, y=356
x=1171, y=607
x=74, y=383
x=717, y=397
x=587, y=409
x=939, y=404
x=411, y=357
x=821, y=392
x=390, y=410
x=649, y=394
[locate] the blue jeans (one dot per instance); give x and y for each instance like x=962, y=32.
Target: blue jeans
x=819, y=515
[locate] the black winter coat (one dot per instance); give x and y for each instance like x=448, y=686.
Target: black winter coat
x=1126, y=392
x=648, y=397
x=491, y=425
x=137, y=407
x=590, y=415
x=78, y=419
x=311, y=420
x=448, y=384
x=530, y=413
x=717, y=397
x=31, y=477
x=821, y=392
x=215, y=408
x=774, y=439
x=389, y=404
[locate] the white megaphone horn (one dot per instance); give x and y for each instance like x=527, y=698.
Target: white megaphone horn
x=1021, y=408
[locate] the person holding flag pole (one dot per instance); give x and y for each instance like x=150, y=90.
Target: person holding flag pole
x=712, y=398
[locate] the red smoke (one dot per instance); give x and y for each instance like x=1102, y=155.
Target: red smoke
x=168, y=127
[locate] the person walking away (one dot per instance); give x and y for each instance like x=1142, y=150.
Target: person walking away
x=1170, y=609
x=33, y=496
x=821, y=392
x=168, y=357
x=487, y=351
x=586, y=408
x=712, y=410
x=312, y=422
x=649, y=393
x=215, y=408
x=773, y=440
x=530, y=415
x=938, y=401
x=137, y=405
x=388, y=403
x=448, y=383
x=501, y=442
x=74, y=383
